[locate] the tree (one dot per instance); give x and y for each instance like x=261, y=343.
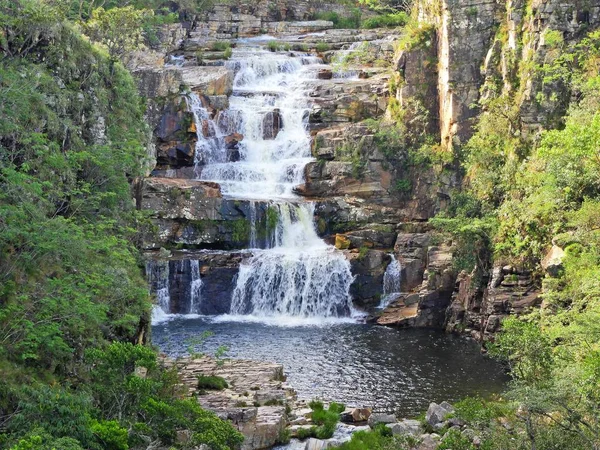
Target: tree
x=117, y=29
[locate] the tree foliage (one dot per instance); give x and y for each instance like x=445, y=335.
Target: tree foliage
x=73, y=299
x=118, y=29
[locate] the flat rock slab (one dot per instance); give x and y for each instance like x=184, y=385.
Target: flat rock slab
x=251, y=384
x=207, y=80
x=398, y=313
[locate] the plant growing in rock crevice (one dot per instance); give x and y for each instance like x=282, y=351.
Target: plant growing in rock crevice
x=324, y=420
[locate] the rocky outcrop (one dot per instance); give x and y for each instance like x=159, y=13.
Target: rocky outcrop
x=479, y=312
x=206, y=80
x=340, y=101
x=175, y=136
x=193, y=213
x=251, y=385
x=248, y=18
x=368, y=267
x=173, y=271
x=486, y=46
x=427, y=280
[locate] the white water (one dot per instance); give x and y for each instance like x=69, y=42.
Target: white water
x=298, y=275
x=265, y=83
x=391, y=282
x=196, y=287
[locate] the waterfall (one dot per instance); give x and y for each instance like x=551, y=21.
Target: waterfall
x=209, y=134
x=391, y=282
x=157, y=273
x=267, y=91
x=195, y=287
x=176, y=285
x=296, y=274
x=299, y=276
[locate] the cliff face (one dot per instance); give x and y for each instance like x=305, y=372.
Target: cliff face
x=484, y=50
x=372, y=198
x=485, y=46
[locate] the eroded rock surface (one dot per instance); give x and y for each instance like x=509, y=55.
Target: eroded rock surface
x=255, y=401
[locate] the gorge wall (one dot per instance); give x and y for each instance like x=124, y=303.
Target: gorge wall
x=372, y=199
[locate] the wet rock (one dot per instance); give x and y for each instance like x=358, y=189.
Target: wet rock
x=377, y=418
x=272, y=123
x=233, y=140
x=325, y=74
x=368, y=268
x=193, y=213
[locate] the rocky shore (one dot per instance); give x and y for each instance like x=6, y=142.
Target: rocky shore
x=267, y=411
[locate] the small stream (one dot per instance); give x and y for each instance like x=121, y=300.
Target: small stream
x=392, y=370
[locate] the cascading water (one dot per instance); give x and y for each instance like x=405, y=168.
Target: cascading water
x=299, y=276
x=158, y=280
x=177, y=286
x=195, y=287
x=391, y=282
x=296, y=274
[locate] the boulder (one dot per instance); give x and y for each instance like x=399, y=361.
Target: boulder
x=553, y=261
x=437, y=414
x=272, y=124
x=429, y=442
x=406, y=426
x=378, y=418
x=356, y=415
x=325, y=74
x=342, y=242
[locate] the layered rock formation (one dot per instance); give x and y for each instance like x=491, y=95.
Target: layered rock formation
x=369, y=203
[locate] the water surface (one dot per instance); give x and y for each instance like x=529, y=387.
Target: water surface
x=389, y=369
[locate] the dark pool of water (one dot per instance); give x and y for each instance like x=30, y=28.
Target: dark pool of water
x=392, y=370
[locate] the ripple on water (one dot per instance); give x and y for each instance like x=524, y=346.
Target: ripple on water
x=390, y=369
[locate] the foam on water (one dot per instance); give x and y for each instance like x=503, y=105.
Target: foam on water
x=297, y=276
x=271, y=162
x=391, y=282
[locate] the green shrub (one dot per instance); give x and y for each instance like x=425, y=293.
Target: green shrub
x=325, y=419
x=212, y=382
x=220, y=46
x=403, y=186
x=346, y=22
x=386, y=21
x=274, y=46
x=305, y=433
x=454, y=440
x=111, y=434
x=55, y=410
x=380, y=438
x=322, y=47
